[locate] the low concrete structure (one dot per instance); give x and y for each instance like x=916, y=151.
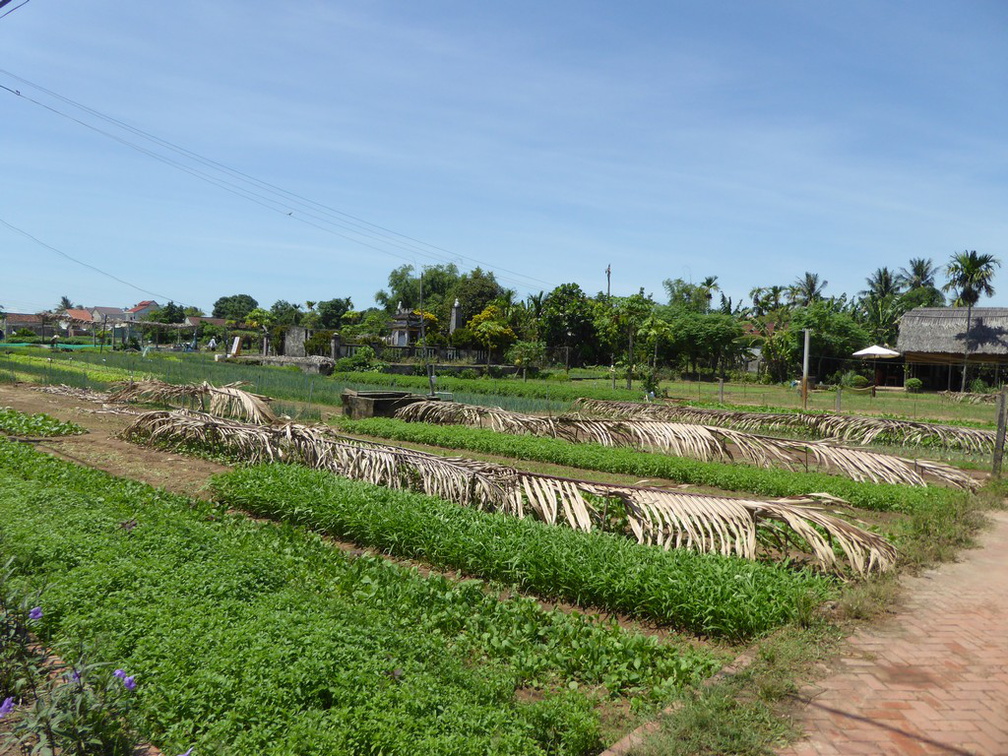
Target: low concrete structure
x=360, y=404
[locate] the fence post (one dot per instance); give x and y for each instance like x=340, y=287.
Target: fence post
x=1000, y=438
x=839, y=392
x=721, y=390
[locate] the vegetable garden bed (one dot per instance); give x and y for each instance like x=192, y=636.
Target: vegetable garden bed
x=249, y=637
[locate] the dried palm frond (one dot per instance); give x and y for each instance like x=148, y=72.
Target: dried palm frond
x=968, y=397
x=225, y=401
x=703, y=442
x=669, y=519
x=847, y=428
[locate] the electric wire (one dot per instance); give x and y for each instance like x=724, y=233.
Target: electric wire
x=5, y=2
x=95, y=268
x=268, y=195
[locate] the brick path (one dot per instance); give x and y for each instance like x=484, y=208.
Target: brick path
x=931, y=679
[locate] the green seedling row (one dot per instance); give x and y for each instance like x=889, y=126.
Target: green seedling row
x=254, y=637
x=557, y=390
x=15, y=423
x=724, y=597
x=762, y=482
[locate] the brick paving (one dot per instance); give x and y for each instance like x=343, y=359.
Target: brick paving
x=930, y=679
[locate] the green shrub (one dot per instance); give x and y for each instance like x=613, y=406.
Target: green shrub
x=913, y=385
x=319, y=343
x=979, y=386
x=363, y=359
x=851, y=379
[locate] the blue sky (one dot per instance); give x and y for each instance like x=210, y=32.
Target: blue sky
x=542, y=140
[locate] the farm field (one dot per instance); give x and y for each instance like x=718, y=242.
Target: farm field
x=562, y=701
x=288, y=385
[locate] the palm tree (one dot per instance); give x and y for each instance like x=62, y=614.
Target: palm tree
x=807, y=289
x=920, y=274
x=969, y=275
x=706, y=289
x=881, y=284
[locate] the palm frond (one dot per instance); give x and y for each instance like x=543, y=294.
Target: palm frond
x=224, y=401
x=668, y=519
x=846, y=428
x=702, y=442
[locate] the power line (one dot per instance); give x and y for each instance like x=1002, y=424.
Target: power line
x=268, y=195
x=60, y=252
x=5, y=2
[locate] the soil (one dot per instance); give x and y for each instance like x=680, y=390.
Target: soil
x=101, y=448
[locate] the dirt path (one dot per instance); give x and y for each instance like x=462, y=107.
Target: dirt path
x=931, y=679
x=101, y=448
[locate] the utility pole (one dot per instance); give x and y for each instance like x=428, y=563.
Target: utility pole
x=608, y=294
x=804, y=378
x=999, y=438
x=428, y=368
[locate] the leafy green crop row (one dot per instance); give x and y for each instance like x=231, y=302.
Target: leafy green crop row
x=728, y=477
x=566, y=391
x=707, y=594
x=15, y=423
x=249, y=637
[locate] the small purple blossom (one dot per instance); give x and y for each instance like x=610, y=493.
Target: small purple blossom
x=35, y=613
x=129, y=682
x=120, y=674
x=189, y=752
x=8, y=706
x=75, y=676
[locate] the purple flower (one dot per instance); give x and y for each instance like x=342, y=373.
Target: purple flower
x=8, y=706
x=75, y=676
x=35, y=613
x=129, y=682
x=188, y=753
x=120, y=674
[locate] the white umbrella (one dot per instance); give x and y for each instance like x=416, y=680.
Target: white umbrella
x=875, y=351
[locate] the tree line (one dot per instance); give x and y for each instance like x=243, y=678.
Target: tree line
x=693, y=329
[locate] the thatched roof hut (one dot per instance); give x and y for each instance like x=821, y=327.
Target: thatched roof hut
x=937, y=335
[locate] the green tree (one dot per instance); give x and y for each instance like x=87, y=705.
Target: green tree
x=526, y=354
x=970, y=275
x=170, y=313
x=285, y=313
x=368, y=326
x=235, y=307
x=631, y=313
x=331, y=312
x=474, y=291
x=881, y=284
x=491, y=331
x=919, y=274
x=835, y=333
x=567, y=321
x=654, y=332
x=404, y=287
x=261, y=319
x=704, y=336
x=688, y=296
x=807, y=289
